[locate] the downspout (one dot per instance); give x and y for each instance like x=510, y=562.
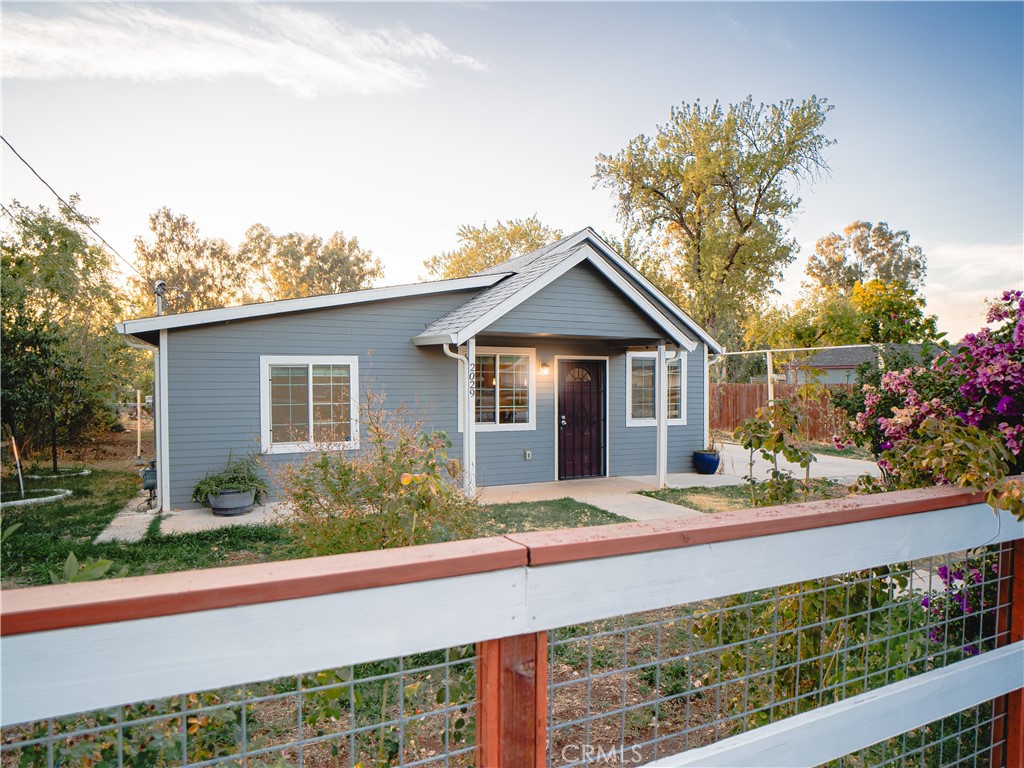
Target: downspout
x=468, y=417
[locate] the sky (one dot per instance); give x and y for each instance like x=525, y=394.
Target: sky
x=396, y=123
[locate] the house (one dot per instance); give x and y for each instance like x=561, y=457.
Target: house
x=839, y=365
x=547, y=367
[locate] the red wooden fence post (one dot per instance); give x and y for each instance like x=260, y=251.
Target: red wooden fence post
x=512, y=695
x=1010, y=629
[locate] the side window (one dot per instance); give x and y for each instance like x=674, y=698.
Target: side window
x=309, y=402
x=642, y=389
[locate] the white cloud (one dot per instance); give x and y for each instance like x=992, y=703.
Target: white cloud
x=301, y=51
x=961, y=276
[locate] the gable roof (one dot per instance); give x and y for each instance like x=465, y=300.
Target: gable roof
x=535, y=270
x=147, y=325
x=505, y=286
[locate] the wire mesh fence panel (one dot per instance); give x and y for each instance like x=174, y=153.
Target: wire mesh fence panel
x=411, y=711
x=630, y=689
x=972, y=738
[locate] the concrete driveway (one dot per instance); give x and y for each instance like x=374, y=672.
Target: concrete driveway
x=735, y=460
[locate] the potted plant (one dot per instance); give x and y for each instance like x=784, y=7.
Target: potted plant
x=707, y=460
x=234, y=489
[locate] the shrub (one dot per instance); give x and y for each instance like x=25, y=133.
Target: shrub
x=238, y=475
x=961, y=421
x=397, y=490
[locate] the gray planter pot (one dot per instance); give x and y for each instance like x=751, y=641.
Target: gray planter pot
x=228, y=503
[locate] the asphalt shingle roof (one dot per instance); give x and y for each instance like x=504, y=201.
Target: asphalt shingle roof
x=522, y=271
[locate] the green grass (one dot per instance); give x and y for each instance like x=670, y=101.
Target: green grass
x=525, y=516
x=730, y=497
x=49, y=532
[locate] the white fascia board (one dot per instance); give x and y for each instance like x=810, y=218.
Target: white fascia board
x=608, y=251
x=265, y=309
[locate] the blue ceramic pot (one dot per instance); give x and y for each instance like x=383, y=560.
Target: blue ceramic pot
x=706, y=462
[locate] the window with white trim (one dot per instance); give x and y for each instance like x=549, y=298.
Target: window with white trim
x=309, y=402
x=642, y=388
x=505, y=388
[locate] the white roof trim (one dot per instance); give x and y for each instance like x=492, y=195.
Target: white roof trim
x=265, y=309
x=664, y=300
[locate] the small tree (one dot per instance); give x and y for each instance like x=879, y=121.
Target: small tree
x=61, y=360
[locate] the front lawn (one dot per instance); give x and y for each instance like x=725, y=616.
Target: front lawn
x=498, y=519
x=49, y=532
x=729, y=497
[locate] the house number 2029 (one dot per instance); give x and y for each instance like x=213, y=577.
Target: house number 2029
x=472, y=379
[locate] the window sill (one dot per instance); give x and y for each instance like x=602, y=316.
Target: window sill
x=486, y=427
x=351, y=445
x=654, y=422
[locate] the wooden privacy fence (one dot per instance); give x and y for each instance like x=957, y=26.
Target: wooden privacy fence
x=288, y=654
x=732, y=404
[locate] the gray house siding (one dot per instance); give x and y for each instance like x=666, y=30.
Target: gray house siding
x=579, y=303
x=214, y=378
x=214, y=375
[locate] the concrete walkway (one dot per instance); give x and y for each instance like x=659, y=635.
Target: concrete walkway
x=130, y=524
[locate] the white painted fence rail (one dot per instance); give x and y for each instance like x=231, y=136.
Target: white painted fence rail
x=73, y=668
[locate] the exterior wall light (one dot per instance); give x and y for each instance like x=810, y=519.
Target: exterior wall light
x=545, y=369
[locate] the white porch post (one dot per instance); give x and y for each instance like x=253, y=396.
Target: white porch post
x=771, y=378
x=707, y=400
x=469, y=422
x=661, y=414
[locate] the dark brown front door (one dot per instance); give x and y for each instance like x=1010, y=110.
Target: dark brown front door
x=581, y=418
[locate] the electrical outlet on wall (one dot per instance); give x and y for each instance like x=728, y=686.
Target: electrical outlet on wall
x=527, y=454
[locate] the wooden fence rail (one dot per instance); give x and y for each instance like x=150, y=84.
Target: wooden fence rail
x=732, y=404
x=80, y=647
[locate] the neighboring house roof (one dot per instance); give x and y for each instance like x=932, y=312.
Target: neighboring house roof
x=534, y=271
x=852, y=358
x=505, y=286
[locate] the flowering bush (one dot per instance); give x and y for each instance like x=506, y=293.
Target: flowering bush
x=965, y=606
x=959, y=420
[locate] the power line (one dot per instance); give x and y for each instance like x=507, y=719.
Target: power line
x=67, y=205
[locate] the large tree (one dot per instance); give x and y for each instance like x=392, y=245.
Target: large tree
x=295, y=265
x=483, y=247
x=716, y=186
x=865, y=252
x=62, y=362
x=891, y=313
x=200, y=272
